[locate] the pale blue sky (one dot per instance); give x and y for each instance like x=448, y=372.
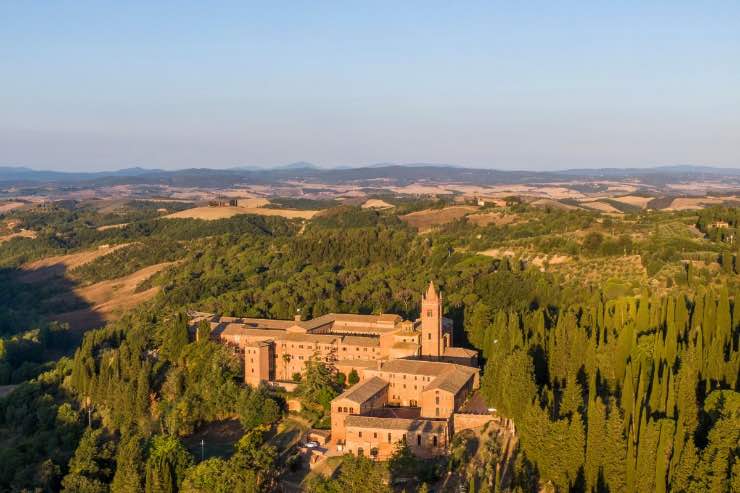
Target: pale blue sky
x=540, y=85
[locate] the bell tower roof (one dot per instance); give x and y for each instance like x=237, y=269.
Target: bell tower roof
x=431, y=293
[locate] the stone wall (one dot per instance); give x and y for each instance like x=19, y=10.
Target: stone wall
x=463, y=421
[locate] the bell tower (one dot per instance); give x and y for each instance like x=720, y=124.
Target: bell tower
x=431, y=323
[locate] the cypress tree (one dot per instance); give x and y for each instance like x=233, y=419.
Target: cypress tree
x=697, y=313
x=724, y=319
x=646, y=455
x=165, y=468
x=663, y=454
x=631, y=456
x=656, y=391
x=687, y=410
x=670, y=403
x=129, y=465
x=709, y=318
x=671, y=336
x=176, y=338
x=628, y=395
x=615, y=465
x=596, y=441
x=642, y=322
x=682, y=316
x=142, y=392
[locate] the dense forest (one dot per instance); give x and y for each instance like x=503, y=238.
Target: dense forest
x=617, y=379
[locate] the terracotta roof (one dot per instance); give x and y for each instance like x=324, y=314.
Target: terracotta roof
x=257, y=343
x=424, y=425
x=361, y=392
x=357, y=363
x=317, y=322
x=405, y=345
x=361, y=329
x=316, y=338
x=386, y=318
x=343, y=322
x=235, y=329
x=422, y=367
x=460, y=352
x=431, y=293
x=451, y=381
x=266, y=323
x=361, y=341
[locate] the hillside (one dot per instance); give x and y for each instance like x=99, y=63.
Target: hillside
x=609, y=342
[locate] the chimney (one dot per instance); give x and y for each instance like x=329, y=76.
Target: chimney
x=297, y=318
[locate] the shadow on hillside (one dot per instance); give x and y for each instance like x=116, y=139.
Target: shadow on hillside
x=39, y=305
x=28, y=299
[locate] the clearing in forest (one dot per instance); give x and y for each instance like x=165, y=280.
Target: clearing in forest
x=553, y=204
x=112, y=226
x=218, y=437
x=24, y=233
x=213, y=213
x=429, y=218
x=688, y=203
x=50, y=267
x=376, y=204
x=634, y=200
x=601, y=206
x=497, y=218
x=107, y=300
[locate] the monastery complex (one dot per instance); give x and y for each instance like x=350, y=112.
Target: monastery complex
x=412, y=380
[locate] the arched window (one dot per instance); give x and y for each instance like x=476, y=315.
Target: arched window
x=434, y=440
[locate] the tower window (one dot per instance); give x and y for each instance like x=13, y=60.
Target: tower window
x=429, y=313
x=429, y=336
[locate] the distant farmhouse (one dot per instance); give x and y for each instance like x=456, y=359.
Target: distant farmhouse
x=413, y=381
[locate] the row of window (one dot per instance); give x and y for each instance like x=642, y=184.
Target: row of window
x=403, y=376
x=435, y=440
x=326, y=348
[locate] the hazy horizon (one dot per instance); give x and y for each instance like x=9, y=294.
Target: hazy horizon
x=257, y=167
x=542, y=86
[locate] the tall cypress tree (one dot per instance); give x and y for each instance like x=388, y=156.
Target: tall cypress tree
x=642, y=322
x=129, y=465
x=596, y=442
x=663, y=453
x=724, y=319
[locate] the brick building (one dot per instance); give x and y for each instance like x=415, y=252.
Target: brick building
x=412, y=378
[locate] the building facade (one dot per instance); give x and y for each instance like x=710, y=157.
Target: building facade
x=411, y=377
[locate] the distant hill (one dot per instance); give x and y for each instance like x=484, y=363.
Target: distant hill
x=370, y=175
x=23, y=174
